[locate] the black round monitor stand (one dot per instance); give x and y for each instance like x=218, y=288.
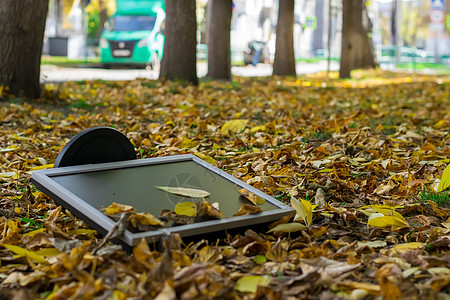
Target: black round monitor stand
x=95, y=145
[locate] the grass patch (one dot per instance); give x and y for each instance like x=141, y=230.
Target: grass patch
x=63, y=61
x=442, y=198
x=80, y=103
x=318, y=136
x=316, y=59
x=424, y=66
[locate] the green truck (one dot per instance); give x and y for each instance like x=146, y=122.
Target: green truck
x=134, y=35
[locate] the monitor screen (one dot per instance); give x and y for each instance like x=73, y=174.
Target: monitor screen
x=138, y=187
x=86, y=189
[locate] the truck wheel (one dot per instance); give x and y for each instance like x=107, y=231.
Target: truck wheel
x=155, y=62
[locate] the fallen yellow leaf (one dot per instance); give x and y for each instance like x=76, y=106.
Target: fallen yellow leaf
x=116, y=208
x=381, y=221
x=233, y=126
x=185, y=209
x=80, y=231
x=34, y=232
x=389, y=212
x=24, y=252
x=48, y=252
x=188, y=143
x=304, y=210
x=206, y=158
x=144, y=218
x=401, y=248
x=445, y=180
x=250, y=283
x=288, y=227
x=187, y=192
x=48, y=166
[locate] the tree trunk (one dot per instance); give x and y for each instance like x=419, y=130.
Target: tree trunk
x=218, y=39
x=59, y=17
x=179, y=58
x=103, y=14
x=319, y=32
x=357, y=49
x=22, y=26
x=369, y=59
x=347, y=48
x=284, y=62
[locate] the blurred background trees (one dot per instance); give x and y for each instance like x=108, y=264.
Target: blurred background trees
x=257, y=20
x=278, y=32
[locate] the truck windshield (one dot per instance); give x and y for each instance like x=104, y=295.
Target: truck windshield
x=131, y=23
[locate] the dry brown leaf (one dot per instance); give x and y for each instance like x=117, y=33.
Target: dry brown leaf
x=116, y=208
x=144, y=218
x=206, y=209
x=252, y=197
x=247, y=209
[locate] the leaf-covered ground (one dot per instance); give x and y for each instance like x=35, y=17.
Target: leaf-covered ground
x=369, y=152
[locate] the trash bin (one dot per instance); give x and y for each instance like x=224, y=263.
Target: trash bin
x=57, y=46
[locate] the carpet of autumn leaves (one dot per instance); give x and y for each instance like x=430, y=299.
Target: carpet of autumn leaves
x=376, y=144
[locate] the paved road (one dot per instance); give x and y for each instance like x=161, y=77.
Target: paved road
x=59, y=74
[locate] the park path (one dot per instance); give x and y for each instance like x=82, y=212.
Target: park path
x=50, y=73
